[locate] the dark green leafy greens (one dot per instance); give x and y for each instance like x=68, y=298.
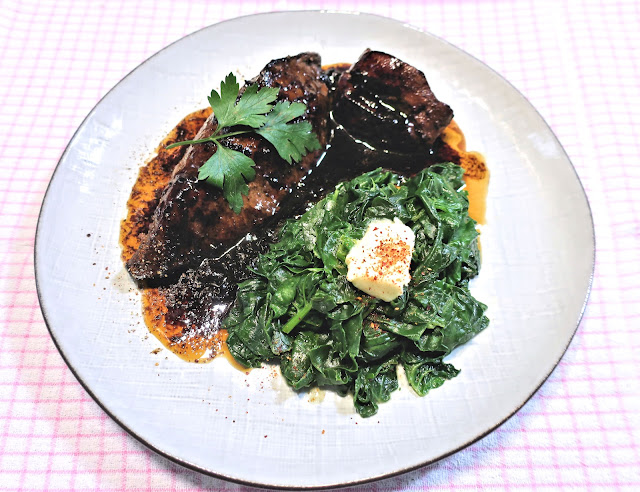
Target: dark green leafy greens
x=300, y=309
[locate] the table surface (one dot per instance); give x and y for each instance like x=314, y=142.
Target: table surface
x=577, y=62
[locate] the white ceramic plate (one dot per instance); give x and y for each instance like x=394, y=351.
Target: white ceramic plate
x=538, y=252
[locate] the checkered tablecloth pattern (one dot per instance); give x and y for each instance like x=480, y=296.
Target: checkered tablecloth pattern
x=577, y=62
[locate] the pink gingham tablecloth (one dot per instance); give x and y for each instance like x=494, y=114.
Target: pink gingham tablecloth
x=577, y=62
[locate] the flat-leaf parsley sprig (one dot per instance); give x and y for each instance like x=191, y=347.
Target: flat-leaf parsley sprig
x=229, y=169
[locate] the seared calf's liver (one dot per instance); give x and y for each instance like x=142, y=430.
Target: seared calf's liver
x=388, y=104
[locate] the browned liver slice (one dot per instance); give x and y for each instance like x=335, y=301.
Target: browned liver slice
x=388, y=104
x=193, y=220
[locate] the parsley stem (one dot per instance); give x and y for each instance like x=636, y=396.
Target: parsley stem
x=213, y=138
x=189, y=142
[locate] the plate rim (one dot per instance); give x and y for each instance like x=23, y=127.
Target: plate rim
x=196, y=468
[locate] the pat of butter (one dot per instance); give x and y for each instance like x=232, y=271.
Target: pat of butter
x=379, y=263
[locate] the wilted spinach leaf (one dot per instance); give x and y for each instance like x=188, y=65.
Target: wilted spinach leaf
x=300, y=309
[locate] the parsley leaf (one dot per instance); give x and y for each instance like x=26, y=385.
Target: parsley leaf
x=291, y=140
x=249, y=110
x=230, y=170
